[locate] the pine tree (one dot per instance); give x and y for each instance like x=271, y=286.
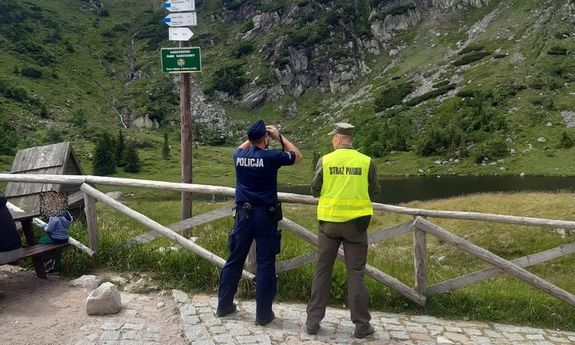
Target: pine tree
x=120, y=148
x=131, y=159
x=166, y=154
x=103, y=163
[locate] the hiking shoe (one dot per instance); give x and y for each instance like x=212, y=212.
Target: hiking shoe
x=263, y=322
x=225, y=311
x=312, y=330
x=363, y=332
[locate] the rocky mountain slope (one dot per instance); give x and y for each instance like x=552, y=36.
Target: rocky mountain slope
x=453, y=80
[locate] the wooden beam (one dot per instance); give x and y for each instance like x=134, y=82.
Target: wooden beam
x=389, y=233
x=182, y=225
x=290, y=264
x=487, y=273
x=420, y=260
x=284, y=197
x=168, y=233
x=494, y=260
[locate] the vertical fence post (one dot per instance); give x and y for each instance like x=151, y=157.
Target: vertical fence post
x=251, y=262
x=420, y=260
x=91, y=222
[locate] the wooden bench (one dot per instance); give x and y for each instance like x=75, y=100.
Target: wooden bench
x=38, y=253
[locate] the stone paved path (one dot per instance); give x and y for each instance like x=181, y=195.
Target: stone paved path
x=202, y=327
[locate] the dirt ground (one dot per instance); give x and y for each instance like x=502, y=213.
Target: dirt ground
x=38, y=311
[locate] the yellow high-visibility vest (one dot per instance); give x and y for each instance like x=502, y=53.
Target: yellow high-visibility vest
x=344, y=192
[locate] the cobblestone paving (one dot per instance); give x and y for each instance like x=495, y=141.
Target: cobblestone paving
x=202, y=327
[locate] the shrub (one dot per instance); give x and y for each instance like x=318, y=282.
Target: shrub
x=53, y=136
x=565, y=141
x=440, y=84
x=9, y=138
x=493, y=149
x=31, y=72
x=243, y=49
x=467, y=59
x=471, y=48
x=400, y=10
x=558, y=50
x=229, y=79
x=392, y=96
x=431, y=94
x=79, y=119
x=247, y=26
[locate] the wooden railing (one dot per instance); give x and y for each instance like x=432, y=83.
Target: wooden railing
x=419, y=226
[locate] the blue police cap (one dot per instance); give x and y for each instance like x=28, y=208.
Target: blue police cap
x=257, y=131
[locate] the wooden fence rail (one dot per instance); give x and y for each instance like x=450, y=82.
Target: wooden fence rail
x=419, y=226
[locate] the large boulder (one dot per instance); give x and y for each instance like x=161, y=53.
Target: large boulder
x=104, y=300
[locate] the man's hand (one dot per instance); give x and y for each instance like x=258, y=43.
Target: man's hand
x=273, y=132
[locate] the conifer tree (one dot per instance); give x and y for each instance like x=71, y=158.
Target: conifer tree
x=103, y=162
x=131, y=159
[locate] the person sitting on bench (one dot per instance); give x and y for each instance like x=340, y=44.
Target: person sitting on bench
x=57, y=232
x=10, y=244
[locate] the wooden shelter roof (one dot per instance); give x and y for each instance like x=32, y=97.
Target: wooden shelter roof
x=54, y=159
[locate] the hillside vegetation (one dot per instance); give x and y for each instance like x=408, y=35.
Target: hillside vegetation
x=480, y=86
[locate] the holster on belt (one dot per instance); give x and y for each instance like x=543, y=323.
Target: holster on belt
x=276, y=211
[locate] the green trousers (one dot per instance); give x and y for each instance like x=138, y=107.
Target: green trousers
x=353, y=235
x=58, y=258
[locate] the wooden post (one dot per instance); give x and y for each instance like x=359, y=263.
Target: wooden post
x=420, y=260
x=186, y=140
x=91, y=222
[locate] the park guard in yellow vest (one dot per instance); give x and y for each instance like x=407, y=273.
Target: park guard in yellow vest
x=344, y=181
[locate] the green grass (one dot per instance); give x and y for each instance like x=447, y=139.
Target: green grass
x=502, y=299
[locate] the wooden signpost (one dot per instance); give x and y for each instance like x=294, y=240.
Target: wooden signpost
x=183, y=60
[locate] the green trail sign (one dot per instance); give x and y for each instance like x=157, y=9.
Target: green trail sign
x=181, y=60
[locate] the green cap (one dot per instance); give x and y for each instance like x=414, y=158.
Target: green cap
x=342, y=128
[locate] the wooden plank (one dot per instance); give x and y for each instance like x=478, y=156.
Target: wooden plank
x=371, y=271
x=420, y=260
x=91, y=222
x=290, y=264
x=486, y=217
x=182, y=225
x=487, y=273
x=391, y=232
x=494, y=260
x=168, y=233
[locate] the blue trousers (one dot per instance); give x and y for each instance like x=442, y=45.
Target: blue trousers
x=261, y=226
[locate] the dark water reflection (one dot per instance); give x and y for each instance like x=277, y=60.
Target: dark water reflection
x=395, y=190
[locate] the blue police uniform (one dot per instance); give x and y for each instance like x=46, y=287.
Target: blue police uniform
x=256, y=186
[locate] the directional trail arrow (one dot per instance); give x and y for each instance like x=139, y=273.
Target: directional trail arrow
x=180, y=5
x=181, y=19
x=180, y=34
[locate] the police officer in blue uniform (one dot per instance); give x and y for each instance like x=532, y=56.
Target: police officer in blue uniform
x=257, y=213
